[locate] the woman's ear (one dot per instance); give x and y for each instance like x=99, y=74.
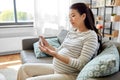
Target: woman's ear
x=83, y=16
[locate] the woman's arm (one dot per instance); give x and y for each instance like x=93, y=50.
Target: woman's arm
x=87, y=52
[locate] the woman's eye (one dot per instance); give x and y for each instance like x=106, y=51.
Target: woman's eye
x=73, y=15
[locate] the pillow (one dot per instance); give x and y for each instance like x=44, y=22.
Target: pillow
x=61, y=36
x=106, y=63
x=38, y=53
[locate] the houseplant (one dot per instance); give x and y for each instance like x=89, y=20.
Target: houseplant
x=115, y=17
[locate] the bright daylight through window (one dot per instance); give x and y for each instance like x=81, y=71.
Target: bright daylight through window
x=51, y=16
x=16, y=11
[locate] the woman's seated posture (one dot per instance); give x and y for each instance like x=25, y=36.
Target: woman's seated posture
x=75, y=52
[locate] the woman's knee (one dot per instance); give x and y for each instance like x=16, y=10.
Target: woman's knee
x=22, y=68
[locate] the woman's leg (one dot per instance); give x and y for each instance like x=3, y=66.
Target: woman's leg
x=54, y=77
x=34, y=69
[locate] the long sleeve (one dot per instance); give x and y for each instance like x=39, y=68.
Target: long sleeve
x=87, y=52
x=80, y=48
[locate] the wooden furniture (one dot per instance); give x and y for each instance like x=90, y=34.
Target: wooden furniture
x=103, y=11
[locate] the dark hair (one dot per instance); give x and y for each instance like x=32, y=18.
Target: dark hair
x=89, y=20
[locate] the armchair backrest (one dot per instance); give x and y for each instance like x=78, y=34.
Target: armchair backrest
x=27, y=44
x=106, y=43
x=61, y=36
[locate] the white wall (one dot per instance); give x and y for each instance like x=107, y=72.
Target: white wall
x=11, y=39
x=10, y=44
x=16, y=32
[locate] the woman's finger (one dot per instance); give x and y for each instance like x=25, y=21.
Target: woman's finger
x=43, y=49
x=41, y=41
x=44, y=41
x=47, y=50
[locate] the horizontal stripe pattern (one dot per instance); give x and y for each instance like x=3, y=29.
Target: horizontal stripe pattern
x=80, y=47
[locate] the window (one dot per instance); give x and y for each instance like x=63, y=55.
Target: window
x=24, y=10
x=51, y=16
x=6, y=11
x=16, y=12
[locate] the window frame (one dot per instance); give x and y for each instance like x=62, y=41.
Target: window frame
x=16, y=24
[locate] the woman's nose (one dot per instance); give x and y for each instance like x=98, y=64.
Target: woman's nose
x=70, y=19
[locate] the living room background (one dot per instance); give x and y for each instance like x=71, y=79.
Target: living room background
x=50, y=18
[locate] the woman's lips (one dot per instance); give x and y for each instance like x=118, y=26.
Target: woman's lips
x=72, y=23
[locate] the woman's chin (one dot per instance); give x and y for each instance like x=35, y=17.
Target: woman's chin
x=74, y=26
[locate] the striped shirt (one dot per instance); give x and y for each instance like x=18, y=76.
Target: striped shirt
x=80, y=47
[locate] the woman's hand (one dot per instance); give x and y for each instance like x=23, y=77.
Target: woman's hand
x=43, y=42
x=48, y=50
x=45, y=47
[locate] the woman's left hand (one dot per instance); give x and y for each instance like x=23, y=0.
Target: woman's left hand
x=48, y=50
x=45, y=47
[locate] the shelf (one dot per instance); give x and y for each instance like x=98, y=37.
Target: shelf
x=96, y=7
x=111, y=21
x=108, y=29
x=99, y=20
x=104, y=6
x=113, y=35
x=107, y=20
x=108, y=35
x=111, y=5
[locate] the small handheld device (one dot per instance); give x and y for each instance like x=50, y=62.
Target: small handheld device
x=41, y=41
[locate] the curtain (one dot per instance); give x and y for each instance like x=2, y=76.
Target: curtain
x=76, y=1
x=51, y=16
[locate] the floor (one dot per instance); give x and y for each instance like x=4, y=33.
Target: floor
x=9, y=66
x=10, y=60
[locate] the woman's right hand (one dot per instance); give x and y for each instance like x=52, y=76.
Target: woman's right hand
x=45, y=47
x=43, y=42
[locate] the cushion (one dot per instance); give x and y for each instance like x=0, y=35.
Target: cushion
x=106, y=43
x=61, y=36
x=106, y=63
x=38, y=53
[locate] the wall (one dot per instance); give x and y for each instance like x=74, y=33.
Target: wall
x=10, y=45
x=11, y=39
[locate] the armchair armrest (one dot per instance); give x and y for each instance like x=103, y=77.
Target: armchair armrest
x=27, y=44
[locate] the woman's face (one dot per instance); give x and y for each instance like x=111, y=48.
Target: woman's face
x=76, y=19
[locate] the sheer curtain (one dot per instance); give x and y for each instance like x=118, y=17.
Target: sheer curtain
x=51, y=16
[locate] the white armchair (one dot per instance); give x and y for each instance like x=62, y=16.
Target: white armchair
x=2, y=77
